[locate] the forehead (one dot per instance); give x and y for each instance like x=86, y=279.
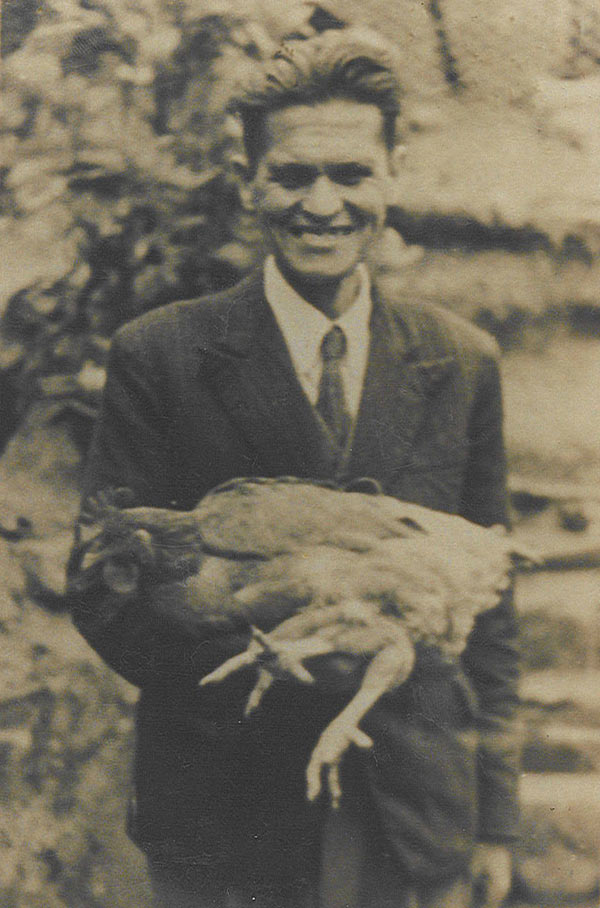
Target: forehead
x=336, y=130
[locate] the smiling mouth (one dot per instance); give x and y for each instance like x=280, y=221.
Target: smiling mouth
x=313, y=230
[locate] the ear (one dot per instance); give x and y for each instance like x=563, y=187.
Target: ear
x=397, y=156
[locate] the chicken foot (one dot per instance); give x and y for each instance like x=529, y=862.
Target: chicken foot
x=388, y=669
x=275, y=658
x=280, y=658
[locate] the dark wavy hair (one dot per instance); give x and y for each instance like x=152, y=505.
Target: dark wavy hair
x=347, y=63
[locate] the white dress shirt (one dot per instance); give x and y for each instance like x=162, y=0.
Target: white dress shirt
x=303, y=328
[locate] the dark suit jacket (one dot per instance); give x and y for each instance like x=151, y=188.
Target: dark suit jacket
x=202, y=391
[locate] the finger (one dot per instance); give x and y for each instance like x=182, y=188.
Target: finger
x=486, y=894
x=495, y=895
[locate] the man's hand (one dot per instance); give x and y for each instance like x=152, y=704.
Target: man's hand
x=491, y=871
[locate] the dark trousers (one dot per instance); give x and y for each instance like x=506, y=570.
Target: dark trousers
x=352, y=875
x=177, y=888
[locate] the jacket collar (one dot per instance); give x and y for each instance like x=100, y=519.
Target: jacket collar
x=248, y=313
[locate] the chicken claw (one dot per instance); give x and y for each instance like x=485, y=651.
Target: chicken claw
x=390, y=667
x=337, y=738
x=274, y=658
x=282, y=658
x=264, y=681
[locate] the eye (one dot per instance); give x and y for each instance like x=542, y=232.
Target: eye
x=348, y=174
x=293, y=176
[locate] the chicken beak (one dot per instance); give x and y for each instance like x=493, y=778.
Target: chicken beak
x=140, y=546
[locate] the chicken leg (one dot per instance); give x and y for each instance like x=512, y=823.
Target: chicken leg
x=388, y=669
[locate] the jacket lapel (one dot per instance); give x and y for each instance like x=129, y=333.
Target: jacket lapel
x=403, y=375
x=250, y=370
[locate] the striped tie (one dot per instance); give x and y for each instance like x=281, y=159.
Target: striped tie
x=331, y=403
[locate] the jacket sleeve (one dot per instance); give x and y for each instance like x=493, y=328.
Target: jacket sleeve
x=157, y=639
x=491, y=658
x=130, y=445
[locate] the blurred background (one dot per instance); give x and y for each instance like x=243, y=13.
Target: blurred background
x=118, y=194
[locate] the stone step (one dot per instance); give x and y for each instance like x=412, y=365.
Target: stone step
x=569, y=799
x=559, y=747
x=563, y=534
x=558, y=641
x=556, y=878
x=557, y=856
x=566, y=592
x=569, y=697
x=559, y=618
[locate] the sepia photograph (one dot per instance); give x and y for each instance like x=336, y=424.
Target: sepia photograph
x=299, y=454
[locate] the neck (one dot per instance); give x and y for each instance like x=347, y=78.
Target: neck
x=331, y=297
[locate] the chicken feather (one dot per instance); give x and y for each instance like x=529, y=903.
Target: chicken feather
x=322, y=576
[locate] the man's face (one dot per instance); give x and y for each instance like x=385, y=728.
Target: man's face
x=321, y=187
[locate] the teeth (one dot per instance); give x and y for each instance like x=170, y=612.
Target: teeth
x=321, y=231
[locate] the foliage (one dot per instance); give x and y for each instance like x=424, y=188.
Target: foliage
x=114, y=195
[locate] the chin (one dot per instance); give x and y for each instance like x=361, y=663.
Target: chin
x=305, y=264
x=319, y=268
x=317, y=277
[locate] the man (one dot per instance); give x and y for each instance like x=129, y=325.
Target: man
x=304, y=369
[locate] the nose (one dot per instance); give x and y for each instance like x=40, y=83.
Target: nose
x=322, y=199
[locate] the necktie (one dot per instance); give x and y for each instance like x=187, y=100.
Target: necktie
x=331, y=402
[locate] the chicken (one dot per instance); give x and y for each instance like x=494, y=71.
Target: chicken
x=323, y=576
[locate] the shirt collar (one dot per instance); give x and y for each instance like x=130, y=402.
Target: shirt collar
x=303, y=325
